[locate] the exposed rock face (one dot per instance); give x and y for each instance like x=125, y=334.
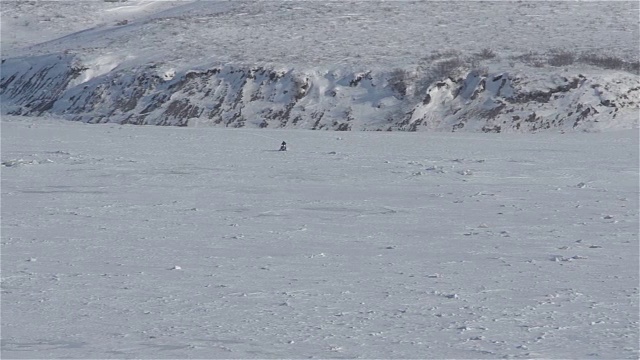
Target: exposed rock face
x=500, y=102
x=36, y=83
x=330, y=100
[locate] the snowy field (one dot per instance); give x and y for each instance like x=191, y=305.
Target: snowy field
x=156, y=242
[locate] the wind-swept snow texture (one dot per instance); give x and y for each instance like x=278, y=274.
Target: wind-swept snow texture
x=414, y=66
x=156, y=242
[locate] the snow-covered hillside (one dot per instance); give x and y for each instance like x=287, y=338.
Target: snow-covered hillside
x=307, y=34
x=446, y=66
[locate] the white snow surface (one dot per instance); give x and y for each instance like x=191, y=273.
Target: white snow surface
x=161, y=242
x=152, y=242
x=310, y=34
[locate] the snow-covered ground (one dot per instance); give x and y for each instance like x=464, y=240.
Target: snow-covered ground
x=155, y=242
x=308, y=34
x=146, y=242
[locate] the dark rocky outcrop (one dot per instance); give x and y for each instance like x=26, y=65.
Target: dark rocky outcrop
x=259, y=97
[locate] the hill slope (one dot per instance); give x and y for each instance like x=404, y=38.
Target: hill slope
x=343, y=66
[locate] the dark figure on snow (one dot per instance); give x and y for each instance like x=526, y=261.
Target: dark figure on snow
x=283, y=146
